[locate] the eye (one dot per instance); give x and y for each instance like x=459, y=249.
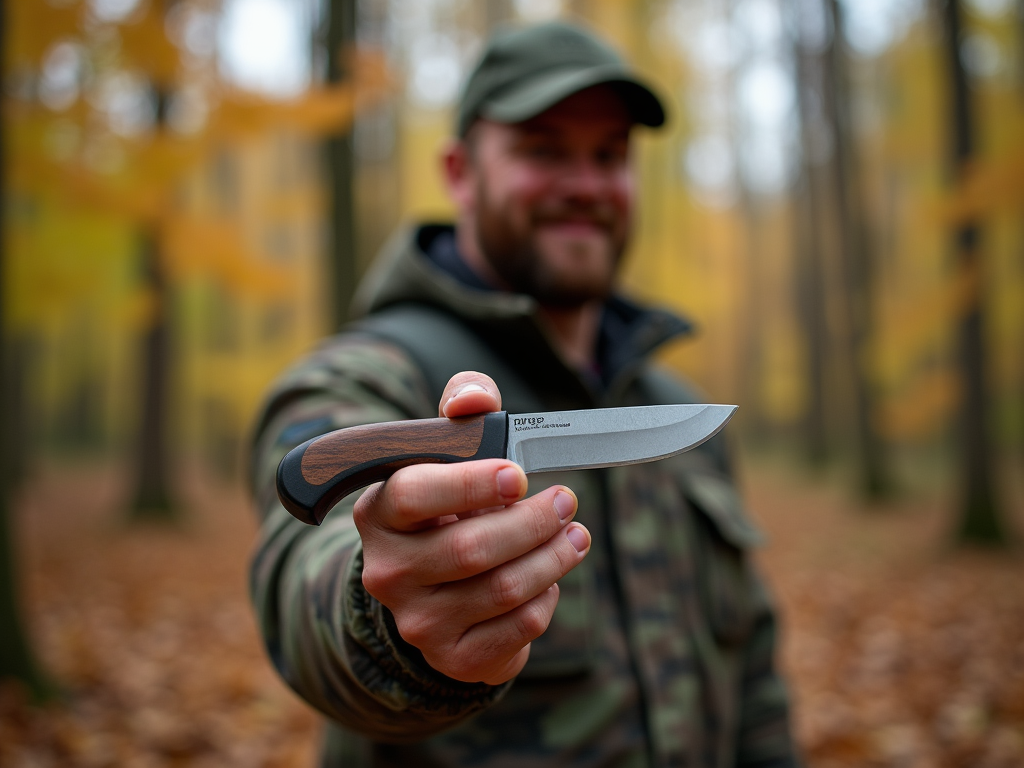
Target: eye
x=542, y=151
x=611, y=155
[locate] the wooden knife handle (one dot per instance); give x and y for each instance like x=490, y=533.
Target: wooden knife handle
x=314, y=476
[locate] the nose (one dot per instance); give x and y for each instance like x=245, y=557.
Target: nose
x=585, y=179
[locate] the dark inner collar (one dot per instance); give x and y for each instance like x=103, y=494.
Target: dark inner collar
x=626, y=333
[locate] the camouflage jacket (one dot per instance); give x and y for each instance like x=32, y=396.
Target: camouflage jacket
x=660, y=651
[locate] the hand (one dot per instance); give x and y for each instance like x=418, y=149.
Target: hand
x=466, y=565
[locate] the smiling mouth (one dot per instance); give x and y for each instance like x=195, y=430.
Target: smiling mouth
x=581, y=227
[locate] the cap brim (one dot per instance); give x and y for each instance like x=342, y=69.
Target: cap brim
x=536, y=94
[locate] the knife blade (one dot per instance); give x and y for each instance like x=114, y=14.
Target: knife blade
x=315, y=475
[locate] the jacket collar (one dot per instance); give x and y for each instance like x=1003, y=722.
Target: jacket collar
x=417, y=266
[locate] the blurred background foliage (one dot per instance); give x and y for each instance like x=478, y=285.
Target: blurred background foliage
x=192, y=187
x=169, y=163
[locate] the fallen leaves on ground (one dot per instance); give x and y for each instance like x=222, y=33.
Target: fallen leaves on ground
x=901, y=652
x=149, y=632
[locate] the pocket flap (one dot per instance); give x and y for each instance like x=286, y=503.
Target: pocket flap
x=719, y=500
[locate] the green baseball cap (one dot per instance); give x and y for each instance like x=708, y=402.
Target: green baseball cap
x=525, y=71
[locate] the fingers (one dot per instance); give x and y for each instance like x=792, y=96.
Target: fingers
x=497, y=650
x=470, y=593
x=450, y=553
x=508, y=586
x=477, y=545
x=469, y=393
x=423, y=492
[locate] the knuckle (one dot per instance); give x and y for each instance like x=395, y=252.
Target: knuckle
x=507, y=588
x=468, y=550
x=405, y=495
x=471, y=485
x=563, y=557
x=532, y=620
x=472, y=490
x=538, y=523
x=383, y=579
x=362, y=512
x=374, y=580
x=416, y=628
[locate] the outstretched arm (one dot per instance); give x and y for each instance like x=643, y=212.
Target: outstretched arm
x=408, y=610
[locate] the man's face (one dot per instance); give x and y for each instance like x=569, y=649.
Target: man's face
x=551, y=198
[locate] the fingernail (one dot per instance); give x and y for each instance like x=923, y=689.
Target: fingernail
x=565, y=505
x=510, y=483
x=577, y=536
x=466, y=388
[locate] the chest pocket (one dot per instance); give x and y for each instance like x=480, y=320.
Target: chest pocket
x=725, y=583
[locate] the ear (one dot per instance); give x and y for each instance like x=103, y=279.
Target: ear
x=458, y=172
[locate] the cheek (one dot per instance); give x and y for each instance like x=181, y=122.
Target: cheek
x=523, y=189
x=623, y=194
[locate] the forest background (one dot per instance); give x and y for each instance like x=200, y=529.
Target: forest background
x=191, y=189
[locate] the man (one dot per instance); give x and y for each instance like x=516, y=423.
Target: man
x=450, y=616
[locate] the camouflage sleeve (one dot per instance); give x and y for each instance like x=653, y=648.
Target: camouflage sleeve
x=765, y=737
x=334, y=644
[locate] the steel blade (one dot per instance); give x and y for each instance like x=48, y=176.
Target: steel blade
x=608, y=437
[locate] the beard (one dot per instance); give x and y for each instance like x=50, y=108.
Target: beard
x=565, y=274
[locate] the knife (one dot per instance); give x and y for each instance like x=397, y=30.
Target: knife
x=314, y=476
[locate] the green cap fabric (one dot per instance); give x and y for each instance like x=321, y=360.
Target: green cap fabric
x=525, y=71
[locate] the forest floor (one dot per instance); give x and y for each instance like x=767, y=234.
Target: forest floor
x=901, y=651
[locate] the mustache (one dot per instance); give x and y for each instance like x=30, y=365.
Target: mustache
x=601, y=216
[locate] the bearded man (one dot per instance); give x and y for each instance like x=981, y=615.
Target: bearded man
x=461, y=615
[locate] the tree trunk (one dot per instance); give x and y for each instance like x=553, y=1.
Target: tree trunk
x=496, y=12
x=1020, y=246
x=16, y=659
x=856, y=256
x=152, y=499
x=751, y=324
x=339, y=38
x=1020, y=43
x=811, y=252
x=752, y=360
x=979, y=521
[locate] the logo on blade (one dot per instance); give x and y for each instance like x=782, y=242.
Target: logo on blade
x=531, y=421
x=524, y=423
